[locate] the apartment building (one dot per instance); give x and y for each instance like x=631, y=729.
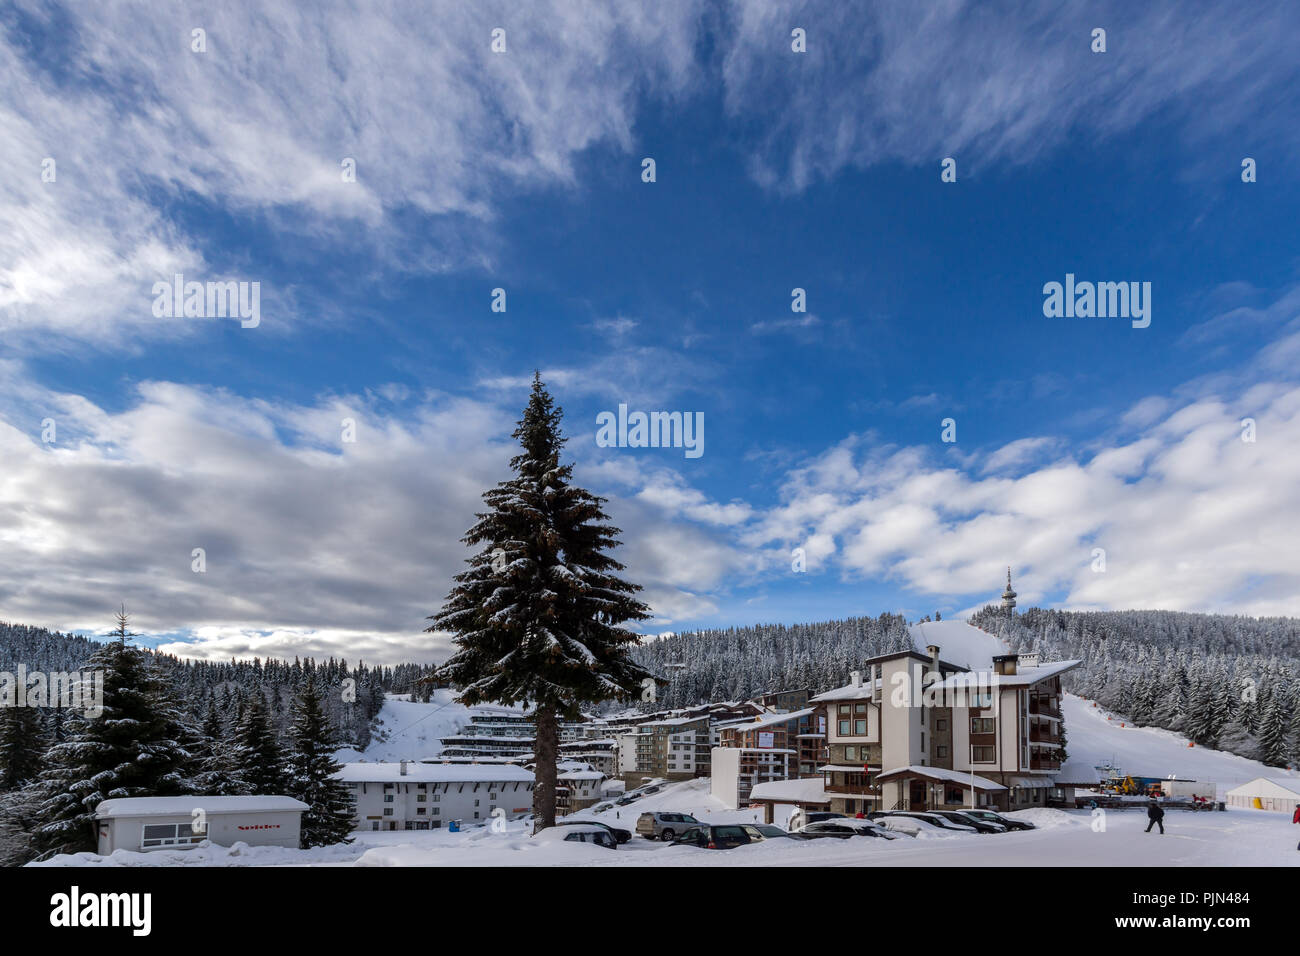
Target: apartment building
x=427, y=796
x=756, y=752
x=675, y=748
x=917, y=732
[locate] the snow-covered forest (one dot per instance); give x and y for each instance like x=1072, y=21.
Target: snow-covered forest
x=743, y=662
x=228, y=686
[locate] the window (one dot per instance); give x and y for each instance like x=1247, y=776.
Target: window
x=943, y=751
x=981, y=725
x=388, y=798
x=388, y=811
x=981, y=755
x=421, y=797
x=860, y=727
x=940, y=724
x=420, y=810
x=844, y=728
x=850, y=753
x=170, y=834
x=845, y=710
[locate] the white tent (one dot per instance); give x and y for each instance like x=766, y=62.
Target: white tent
x=1267, y=793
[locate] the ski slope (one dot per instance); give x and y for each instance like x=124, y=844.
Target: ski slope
x=1093, y=740
x=413, y=730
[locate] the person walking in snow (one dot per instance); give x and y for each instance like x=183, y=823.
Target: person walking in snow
x=1295, y=818
x=1155, y=817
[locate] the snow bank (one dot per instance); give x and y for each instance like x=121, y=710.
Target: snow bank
x=210, y=854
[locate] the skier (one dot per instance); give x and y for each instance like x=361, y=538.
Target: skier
x=1155, y=817
x=1295, y=818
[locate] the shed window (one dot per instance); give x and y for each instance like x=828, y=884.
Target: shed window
x=170, y=834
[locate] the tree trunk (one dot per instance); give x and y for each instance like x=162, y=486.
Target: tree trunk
x=547, y=744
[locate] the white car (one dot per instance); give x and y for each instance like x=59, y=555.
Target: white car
x=599, y=836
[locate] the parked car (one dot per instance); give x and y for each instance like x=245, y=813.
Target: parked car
x=663, y=826
x=844, y=829
x=602, y=807
x=578, y=833
x=801, y=818
x=993, y=817
x=965, y=819
x=771, y=831
x=723, y=836
x=925, y=818
x=649, y=790
x=630, y=798
x=620, y=835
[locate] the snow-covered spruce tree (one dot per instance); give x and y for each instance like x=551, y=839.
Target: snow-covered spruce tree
x=256, y=753
x=537, y=616
x=220, y=774
x=134, y=748
x=329, y=814
x=22, y=744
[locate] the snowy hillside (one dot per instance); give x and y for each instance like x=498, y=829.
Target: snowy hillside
x=412, y=730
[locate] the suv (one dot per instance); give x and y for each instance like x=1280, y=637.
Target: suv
x=663, y=826
x=724, y=836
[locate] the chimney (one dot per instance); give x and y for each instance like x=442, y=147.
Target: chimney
x=1005, y=664
x=933, y=651
x=402, y=770
x=855, y=678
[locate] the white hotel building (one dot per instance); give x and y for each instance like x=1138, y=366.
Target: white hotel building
x=428, y=796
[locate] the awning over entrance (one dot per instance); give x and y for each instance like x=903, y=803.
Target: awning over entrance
x=940, y=775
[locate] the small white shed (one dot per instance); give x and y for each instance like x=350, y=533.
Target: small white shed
x=1267, y=793
x=156, y=823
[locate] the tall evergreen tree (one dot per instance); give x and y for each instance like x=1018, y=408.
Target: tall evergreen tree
x=330, y=811
x=22, y=745
x=133, y=749
x=537, y=616
x=256, y=753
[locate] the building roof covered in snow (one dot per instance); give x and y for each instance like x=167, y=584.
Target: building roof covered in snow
x=770, y=721
x=185, y=806
x=362, y=772
x=807, y=790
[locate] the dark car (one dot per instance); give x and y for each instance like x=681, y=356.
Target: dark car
x=843, y=829
x=1007, y=822
x=618, y=833
x=722, y=836
x=771, y=831
x=801, y=818
x=968, y=820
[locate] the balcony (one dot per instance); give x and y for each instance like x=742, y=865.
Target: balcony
x=1043, y=709
x=1044, y=736
x=1044, y=763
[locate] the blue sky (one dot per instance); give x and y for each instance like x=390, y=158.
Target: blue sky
x=522, y=170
